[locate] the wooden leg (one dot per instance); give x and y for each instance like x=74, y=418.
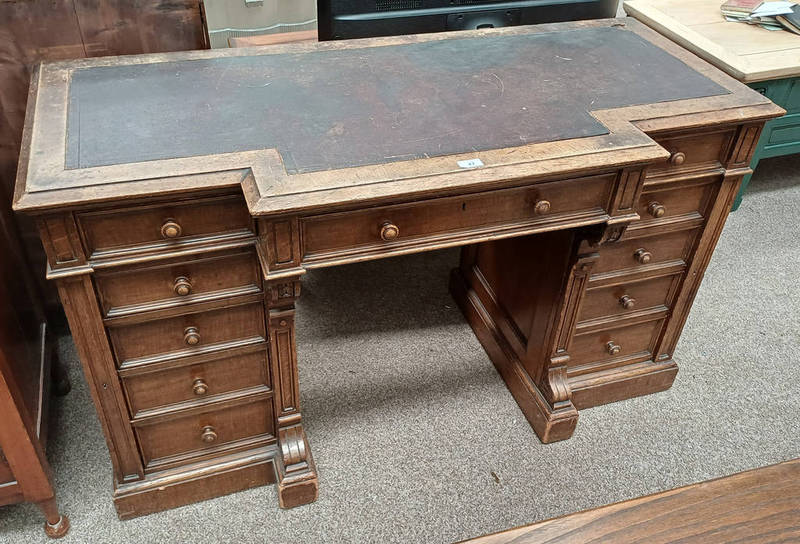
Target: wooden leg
x=56, y=524
x=297, y=475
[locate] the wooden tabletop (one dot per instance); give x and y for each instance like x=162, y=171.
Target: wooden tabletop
x=747, y=52
x=320, y=125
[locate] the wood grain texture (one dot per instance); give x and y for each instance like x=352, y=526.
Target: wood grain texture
x=758, y=506
x=748, y=53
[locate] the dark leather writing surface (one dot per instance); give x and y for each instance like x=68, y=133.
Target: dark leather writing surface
x=354, y=107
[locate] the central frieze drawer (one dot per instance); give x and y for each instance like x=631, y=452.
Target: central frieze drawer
x=206, y=431
x=530, y=205
x=187, y=333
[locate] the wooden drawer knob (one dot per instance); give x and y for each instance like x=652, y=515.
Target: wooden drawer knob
x=183, y=287
x=627, y=302
x=200, y=387
x=643, y=256
x=191, y=336
x=542, y=207
x=613, y=348
x=209, y=435
x=677, y=159
x=656, y=209
x=170, y=229
x=389, y=231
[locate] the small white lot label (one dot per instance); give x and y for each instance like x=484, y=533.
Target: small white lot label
x=471, y=163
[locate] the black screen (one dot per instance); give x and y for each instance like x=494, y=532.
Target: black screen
x=345, y=19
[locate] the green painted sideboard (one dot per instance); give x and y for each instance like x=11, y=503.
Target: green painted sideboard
x=780, y=136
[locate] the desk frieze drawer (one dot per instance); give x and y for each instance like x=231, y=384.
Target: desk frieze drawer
x=195, y=382
x=693, y=152
x=613, y=346
x=407, y=224
x=186, y=334
x=628, y=296
x=157, y=227
x=214, y=430
x=130, y=289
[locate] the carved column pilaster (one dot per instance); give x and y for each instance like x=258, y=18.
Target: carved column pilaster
x=279, y=253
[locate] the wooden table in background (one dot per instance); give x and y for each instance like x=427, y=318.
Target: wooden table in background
x=768, y=61
x=757, y=507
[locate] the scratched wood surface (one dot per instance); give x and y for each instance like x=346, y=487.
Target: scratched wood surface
x=338, y=109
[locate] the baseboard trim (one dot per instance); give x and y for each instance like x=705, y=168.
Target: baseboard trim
x=622, y=383
x=197, y=482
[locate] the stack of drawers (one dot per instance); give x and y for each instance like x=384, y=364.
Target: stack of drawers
x=180, y=291
x=636, y=281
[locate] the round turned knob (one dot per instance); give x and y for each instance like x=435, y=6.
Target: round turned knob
x=613, y=348
x=183, y=286
x=209, y=435
x=656, y=210
x=677, y=159
x=627, y=302
x=170, y=229
x=643, y=256
x=191, y=336
x=389, y=231
x=200, y=387
x=542, y=207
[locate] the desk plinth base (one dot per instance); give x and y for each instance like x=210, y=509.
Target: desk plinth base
x=195, y=483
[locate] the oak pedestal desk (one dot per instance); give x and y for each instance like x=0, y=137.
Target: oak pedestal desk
x=587, y=170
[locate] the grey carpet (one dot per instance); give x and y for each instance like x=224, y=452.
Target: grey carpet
x=409, y=422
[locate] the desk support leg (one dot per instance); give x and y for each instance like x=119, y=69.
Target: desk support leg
x=297, y=475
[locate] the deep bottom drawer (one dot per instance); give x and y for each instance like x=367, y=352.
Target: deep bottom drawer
x=200, y=432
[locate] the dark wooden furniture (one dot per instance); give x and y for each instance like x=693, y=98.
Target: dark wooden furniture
x=26, y=353
x=181, y=197
x=758, y=507
x=33, y=31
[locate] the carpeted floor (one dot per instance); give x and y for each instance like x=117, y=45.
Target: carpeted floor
x=417, y=439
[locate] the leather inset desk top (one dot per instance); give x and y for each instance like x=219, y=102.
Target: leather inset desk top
x=342, y=108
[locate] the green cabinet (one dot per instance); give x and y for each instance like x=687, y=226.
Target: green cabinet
x=780, y=136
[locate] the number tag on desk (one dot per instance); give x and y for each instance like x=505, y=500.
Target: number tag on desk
x=471, y=163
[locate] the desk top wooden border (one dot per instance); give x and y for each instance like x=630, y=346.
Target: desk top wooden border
x=749, y=68
x=44, y=184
